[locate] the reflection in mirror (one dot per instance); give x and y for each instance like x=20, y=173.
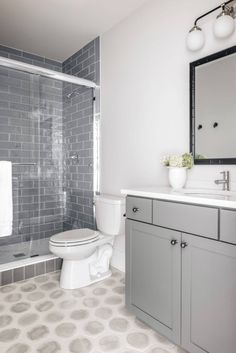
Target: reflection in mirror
x=213, y=108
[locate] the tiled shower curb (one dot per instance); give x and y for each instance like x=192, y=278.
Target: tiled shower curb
x=18, y=272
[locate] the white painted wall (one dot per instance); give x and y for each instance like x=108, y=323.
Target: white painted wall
x=145, y=93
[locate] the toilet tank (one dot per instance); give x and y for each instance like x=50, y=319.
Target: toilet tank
x=109, y=211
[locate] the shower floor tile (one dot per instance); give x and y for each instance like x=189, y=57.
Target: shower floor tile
x=24, y=250
x=37, y=316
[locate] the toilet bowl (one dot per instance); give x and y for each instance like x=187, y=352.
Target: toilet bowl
x=86, y=253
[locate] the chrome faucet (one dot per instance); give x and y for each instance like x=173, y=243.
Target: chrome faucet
x=224, y=181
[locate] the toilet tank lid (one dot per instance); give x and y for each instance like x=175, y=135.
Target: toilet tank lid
x=111, y=199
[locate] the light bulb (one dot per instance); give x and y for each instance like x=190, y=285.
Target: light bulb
x=195, y=38
x=224, y=25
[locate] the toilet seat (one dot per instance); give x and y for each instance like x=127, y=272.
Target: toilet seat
x=74, y=237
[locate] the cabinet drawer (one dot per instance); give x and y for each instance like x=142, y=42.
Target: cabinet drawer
x=186, y=218
x=228, y=226
x=139, y=209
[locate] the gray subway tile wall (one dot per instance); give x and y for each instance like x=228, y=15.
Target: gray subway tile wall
x=38, y=124
x=29, y=58
x=78, y=138
x=29, y=271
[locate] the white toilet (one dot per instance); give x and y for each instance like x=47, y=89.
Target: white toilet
x=86, y=253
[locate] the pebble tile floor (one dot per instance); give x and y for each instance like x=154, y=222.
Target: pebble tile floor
x=37, y=316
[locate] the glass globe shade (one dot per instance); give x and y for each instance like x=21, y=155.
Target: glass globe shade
x=195, y=39
x=223, y=26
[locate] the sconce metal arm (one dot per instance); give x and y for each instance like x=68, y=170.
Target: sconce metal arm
x=208, y=13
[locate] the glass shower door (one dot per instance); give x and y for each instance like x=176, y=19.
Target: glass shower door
x=48, y=131
x=19, y=126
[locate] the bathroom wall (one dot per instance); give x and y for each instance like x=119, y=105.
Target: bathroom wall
x=145, y=93
x=31, y=132
x=78, y=138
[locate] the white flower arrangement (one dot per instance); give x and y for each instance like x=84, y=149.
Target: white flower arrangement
x=180, y=161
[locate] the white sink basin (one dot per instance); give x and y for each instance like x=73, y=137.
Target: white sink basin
x=199, y=196
x=207, y=193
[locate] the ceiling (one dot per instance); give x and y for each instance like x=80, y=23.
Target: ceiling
x=58, y=28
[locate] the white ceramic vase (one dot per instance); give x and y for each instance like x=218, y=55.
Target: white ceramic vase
x=177, y=177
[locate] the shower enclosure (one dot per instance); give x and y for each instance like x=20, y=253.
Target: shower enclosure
x=49, y=131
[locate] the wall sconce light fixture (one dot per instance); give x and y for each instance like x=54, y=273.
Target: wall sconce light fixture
x=224, y=25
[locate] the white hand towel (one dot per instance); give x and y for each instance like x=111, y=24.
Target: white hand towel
x=6, y=208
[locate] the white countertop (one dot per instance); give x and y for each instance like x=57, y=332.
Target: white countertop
x=208, y=197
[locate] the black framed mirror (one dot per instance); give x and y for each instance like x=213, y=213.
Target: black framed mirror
x=213, y=108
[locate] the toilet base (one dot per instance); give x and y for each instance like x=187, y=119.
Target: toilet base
x=78, y=274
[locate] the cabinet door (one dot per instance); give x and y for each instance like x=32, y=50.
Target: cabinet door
x=153, y=273
x=209, y=296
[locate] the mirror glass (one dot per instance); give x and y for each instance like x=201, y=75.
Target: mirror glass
x=213, y=108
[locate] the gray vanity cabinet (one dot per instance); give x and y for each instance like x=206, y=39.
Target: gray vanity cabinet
x=208, y=296
x=181, y=272
x=186, y=218
x=153, y=276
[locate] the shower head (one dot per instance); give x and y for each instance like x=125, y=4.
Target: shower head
x=72, y=94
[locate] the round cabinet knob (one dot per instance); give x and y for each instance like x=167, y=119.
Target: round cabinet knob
x=173, y=242
x=183, y=245
x=135, y=209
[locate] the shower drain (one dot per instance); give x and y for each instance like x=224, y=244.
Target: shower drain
x=20, y=254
